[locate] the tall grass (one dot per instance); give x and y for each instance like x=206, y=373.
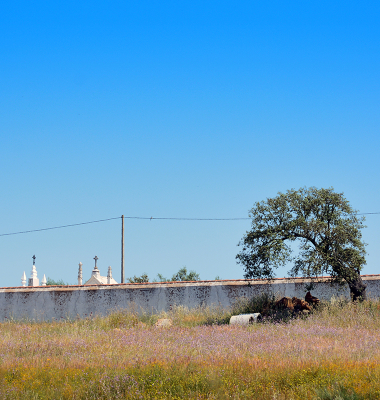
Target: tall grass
x=334, y=353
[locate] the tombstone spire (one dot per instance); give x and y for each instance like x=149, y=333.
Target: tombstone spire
x=80, y=274
x=109, y=275
x=23, y=279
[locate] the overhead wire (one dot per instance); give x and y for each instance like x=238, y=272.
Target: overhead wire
x=58, y=227
x=141, y=218
x=367, y=213
x=189, y=219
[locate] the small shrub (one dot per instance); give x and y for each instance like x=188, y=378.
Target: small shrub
x=262, y=303
x=338, y=393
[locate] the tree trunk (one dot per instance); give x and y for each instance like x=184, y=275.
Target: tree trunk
x=357, y=288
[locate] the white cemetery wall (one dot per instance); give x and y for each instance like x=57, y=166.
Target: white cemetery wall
x=57, y=302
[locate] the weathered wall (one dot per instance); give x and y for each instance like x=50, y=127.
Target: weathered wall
x=56, y=302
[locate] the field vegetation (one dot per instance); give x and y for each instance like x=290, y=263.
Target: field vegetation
x=332, y=353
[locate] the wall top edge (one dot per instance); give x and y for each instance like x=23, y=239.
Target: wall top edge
x=148, y=285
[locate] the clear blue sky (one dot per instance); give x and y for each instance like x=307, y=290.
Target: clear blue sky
x=178, y=109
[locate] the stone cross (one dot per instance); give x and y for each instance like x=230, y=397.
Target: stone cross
x=96, y=259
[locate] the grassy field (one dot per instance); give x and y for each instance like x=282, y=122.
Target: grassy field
x=334, y=353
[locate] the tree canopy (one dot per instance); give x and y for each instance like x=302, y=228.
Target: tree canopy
x=324, y=225
x=60, y=282
x=181, y=275
x=139, y=279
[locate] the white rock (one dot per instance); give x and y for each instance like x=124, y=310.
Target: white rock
x=163, y=322
x=245, y=319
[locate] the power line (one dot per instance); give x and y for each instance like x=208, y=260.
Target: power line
x=367, y=213
x=212, y=219
x=143, y=218
x=58, y=227
x=189, y=219
x=110, y=219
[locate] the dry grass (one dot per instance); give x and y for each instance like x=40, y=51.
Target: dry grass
x=332, y=354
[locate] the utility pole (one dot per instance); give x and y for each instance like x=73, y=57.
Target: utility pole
x=122, y=250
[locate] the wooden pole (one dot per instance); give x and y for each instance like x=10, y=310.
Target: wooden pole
x=122, y=250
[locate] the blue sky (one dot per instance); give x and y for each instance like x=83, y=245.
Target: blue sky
x=178, y=109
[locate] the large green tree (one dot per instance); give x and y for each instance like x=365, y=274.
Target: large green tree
x=326, y=228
